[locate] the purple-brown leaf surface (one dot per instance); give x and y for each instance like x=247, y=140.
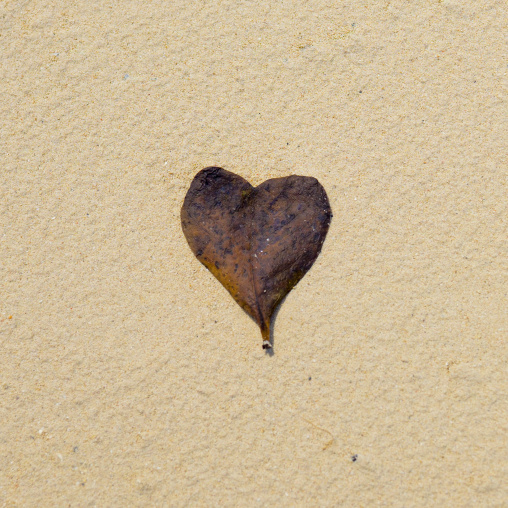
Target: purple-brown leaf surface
x=258, y=241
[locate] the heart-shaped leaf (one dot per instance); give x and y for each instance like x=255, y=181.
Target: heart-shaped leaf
x=258, y=241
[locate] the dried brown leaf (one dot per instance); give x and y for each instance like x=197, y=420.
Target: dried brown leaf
x=258, y=241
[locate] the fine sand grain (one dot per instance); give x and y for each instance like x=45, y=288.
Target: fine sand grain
x=130, y=377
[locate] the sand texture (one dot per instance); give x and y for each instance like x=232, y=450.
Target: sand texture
x=128, y=374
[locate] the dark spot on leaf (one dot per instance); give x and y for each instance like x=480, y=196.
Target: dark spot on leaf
x=354, y=458
x=273, y=233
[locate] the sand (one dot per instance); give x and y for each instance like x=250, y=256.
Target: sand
x=130, y=377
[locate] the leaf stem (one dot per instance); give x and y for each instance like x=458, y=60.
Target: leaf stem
x=265, y=333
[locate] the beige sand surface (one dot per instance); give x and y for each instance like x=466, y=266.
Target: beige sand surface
x=128, y=375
